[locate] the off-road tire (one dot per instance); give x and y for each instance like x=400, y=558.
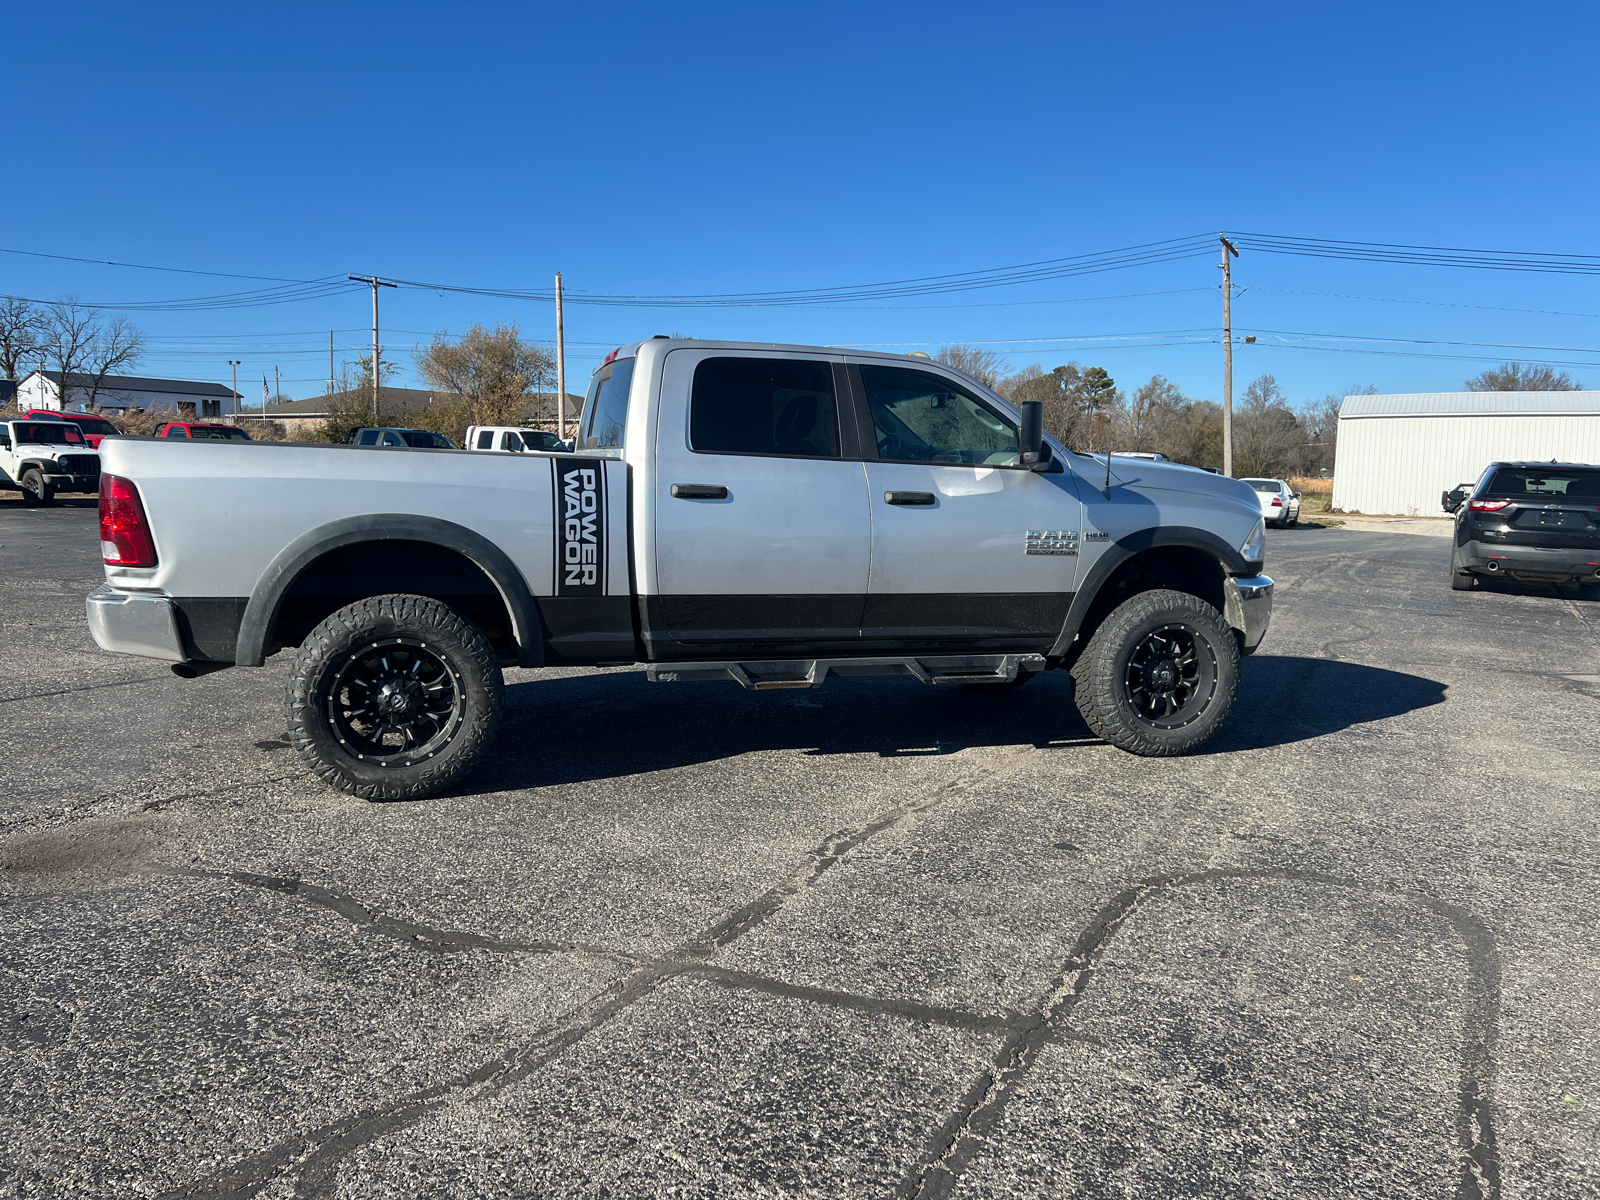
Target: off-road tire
x=36, y=493
x=1100, y=676
x=1460, y=581
x=332, y=646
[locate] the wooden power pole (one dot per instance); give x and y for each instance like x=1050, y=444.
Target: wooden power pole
x=375, y=283
x=1228, y=253
x=561, y=367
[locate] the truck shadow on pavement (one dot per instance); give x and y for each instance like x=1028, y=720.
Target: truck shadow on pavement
x=587, y=727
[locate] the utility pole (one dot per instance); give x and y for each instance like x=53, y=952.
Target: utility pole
x=277, y=391
x=375, y=283
x=234, y=363
x=561, y=367
x=330, y=362
x=1228, y=253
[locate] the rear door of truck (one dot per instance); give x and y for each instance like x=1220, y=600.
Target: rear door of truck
x=763, y=534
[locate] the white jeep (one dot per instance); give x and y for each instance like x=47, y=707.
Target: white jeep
x=43, y=458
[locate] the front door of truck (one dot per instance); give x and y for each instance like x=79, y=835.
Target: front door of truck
x=762, y=535
x=969, y=553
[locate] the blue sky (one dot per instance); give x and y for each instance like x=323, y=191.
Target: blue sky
x=693, y=149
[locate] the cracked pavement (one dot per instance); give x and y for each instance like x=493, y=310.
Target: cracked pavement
x=880, y=939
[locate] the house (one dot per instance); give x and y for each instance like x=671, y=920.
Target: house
x=119, y=393
x=1399, y=453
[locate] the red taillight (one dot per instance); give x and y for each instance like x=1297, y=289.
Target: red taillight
x=1487, y=505
x=124, y=533
x=1276, y=503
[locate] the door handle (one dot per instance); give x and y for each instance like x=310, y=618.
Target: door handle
x=699, y=491
x=908, y=498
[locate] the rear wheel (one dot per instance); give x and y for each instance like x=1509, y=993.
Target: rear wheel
x=1460, y=581
x=36, y=492
x=394, y=698
x=1160, y=675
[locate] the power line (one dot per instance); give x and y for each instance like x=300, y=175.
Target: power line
x=1429, y=256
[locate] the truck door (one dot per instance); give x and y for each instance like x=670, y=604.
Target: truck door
x=762, y=535
x=968, y=552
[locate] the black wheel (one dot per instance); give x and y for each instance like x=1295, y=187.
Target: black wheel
x=393, y=698
x=36, y=493
x=1160, y=675
x=1460, y=581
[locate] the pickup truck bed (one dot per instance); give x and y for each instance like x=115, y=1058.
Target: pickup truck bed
x=768, y=515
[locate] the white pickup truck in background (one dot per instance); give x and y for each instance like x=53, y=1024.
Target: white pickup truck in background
x=763, y=514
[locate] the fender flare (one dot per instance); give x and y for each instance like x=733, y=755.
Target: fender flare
x=266, y=602
x=1124, y=548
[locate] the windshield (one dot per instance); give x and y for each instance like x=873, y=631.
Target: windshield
x=1264, y=485
x=1546, y=483
x=219, y=433
x=423, y=439
x=44, y=433
x=96, y=425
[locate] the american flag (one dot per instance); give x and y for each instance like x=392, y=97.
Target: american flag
x=265, y=394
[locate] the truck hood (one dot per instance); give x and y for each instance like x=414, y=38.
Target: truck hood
x=1148, y=474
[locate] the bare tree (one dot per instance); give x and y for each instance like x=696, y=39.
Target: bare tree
x=494, y=371
x=1268, y=439
x=1523, y=377
x=84, y=350
x=983, y=365
x=21, y=329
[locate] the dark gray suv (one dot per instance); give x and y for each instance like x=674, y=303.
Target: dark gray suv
x=1531, y=521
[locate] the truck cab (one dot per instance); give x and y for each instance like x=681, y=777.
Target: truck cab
x=767, y=515
x=43, y=458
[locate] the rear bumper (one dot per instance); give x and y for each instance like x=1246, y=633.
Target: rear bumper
x=1566, y=562
x=134, y=623
x=1248, y=606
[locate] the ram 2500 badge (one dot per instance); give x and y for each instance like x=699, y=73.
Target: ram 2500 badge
x=762, y=514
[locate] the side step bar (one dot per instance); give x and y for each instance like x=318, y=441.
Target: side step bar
x=811, y=672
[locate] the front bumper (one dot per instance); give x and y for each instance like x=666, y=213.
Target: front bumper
x=73, y=483
x=1555, y=562
x=134, y=623
x=1247, y=603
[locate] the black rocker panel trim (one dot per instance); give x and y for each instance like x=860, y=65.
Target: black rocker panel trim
x=266, y=603
x=1126, y=547
x=687, y=628
x=209, y=626
x=588, y=629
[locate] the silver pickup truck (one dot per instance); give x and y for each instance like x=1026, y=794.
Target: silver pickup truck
x=762, y=514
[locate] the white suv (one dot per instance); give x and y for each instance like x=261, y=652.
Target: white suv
x=1280, y=503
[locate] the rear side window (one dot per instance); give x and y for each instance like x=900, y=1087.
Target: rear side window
x=779, y=407
x=1554, y=484
x=177, y=431
x=605, y=411
x=486, y=439
x=369, y=437
x=919, y=417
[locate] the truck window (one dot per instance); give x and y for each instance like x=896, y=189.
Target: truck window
x=776, y=407
x=510, y=441
x=486, y=440
x=919, y=417
x=369, y=437
x=605, y=411
x=177, y=431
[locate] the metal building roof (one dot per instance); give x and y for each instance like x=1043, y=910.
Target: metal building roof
x=1470, y=404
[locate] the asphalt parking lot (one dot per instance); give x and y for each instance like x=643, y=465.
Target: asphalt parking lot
x=880, y=939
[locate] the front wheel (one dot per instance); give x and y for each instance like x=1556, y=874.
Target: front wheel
x=1160, y=675
x=393, y=698
x=36, y=493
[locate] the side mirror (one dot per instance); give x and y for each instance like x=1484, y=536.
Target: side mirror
x=1033, y=454
x=1294, y=495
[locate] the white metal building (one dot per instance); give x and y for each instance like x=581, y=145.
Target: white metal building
x=118, y=393
x=1396, y=454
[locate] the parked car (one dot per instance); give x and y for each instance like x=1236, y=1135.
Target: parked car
x=1455, y=497
x=764, y=515
x=43, y=458
x=396, y=436
x=1280, y=503
x=201, y=431
x=1530, y=521
x=514, y=438
x=94, y=427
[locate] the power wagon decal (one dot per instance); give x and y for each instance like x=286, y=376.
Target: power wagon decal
x=580, y=512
